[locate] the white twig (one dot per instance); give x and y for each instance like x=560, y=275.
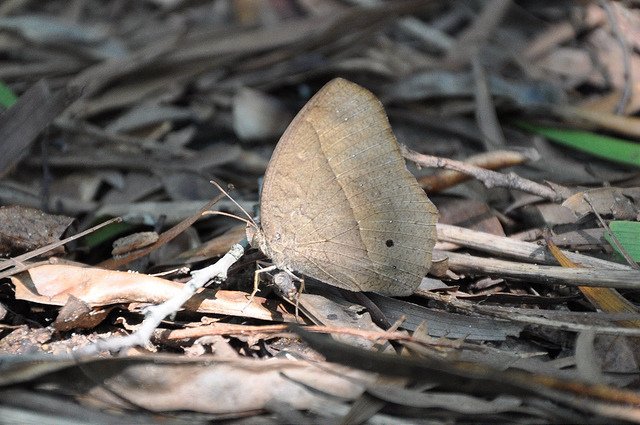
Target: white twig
x=155, y=315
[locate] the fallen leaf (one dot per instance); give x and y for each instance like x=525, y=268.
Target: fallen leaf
x=53, y=284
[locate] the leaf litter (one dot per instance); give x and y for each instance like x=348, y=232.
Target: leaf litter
x=129, y=110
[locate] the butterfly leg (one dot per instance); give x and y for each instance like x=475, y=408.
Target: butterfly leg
x=256, y=283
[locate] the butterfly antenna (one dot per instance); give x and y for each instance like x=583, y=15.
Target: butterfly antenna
x=250, y=221
x=244, y=220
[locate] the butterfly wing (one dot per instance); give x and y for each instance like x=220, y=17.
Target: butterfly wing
x=338, y=203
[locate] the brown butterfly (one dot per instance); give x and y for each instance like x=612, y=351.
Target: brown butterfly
x=338, y=203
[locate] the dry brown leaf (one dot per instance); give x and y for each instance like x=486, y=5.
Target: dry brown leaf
x=76, y=314
x=619, y=203
x=53, y=284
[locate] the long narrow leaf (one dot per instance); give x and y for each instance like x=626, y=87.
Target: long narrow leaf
x=606, y=147
x=628, y=234
x=606, y=299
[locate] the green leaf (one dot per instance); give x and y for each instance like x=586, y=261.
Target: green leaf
x=7, y=98
x=107, y=233
x=606, y=147
x=628, y=234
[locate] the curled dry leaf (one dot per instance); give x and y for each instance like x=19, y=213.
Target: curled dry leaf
x=53, y=284
x=439, y=264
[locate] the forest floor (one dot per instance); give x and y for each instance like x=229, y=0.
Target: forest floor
x=126, y=292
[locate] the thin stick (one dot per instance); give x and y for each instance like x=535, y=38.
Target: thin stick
x=488, y=160
x=487, y=177
x=508, y=247
x=548, y=275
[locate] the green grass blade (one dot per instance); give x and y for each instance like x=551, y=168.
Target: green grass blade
x=606, y=147
x=107, y=233
x=628, y=234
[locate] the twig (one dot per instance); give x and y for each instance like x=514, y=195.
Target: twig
x=488, y=160
x=512, y=248
x=155, y=315
x=487, y=177
x=549, y=275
